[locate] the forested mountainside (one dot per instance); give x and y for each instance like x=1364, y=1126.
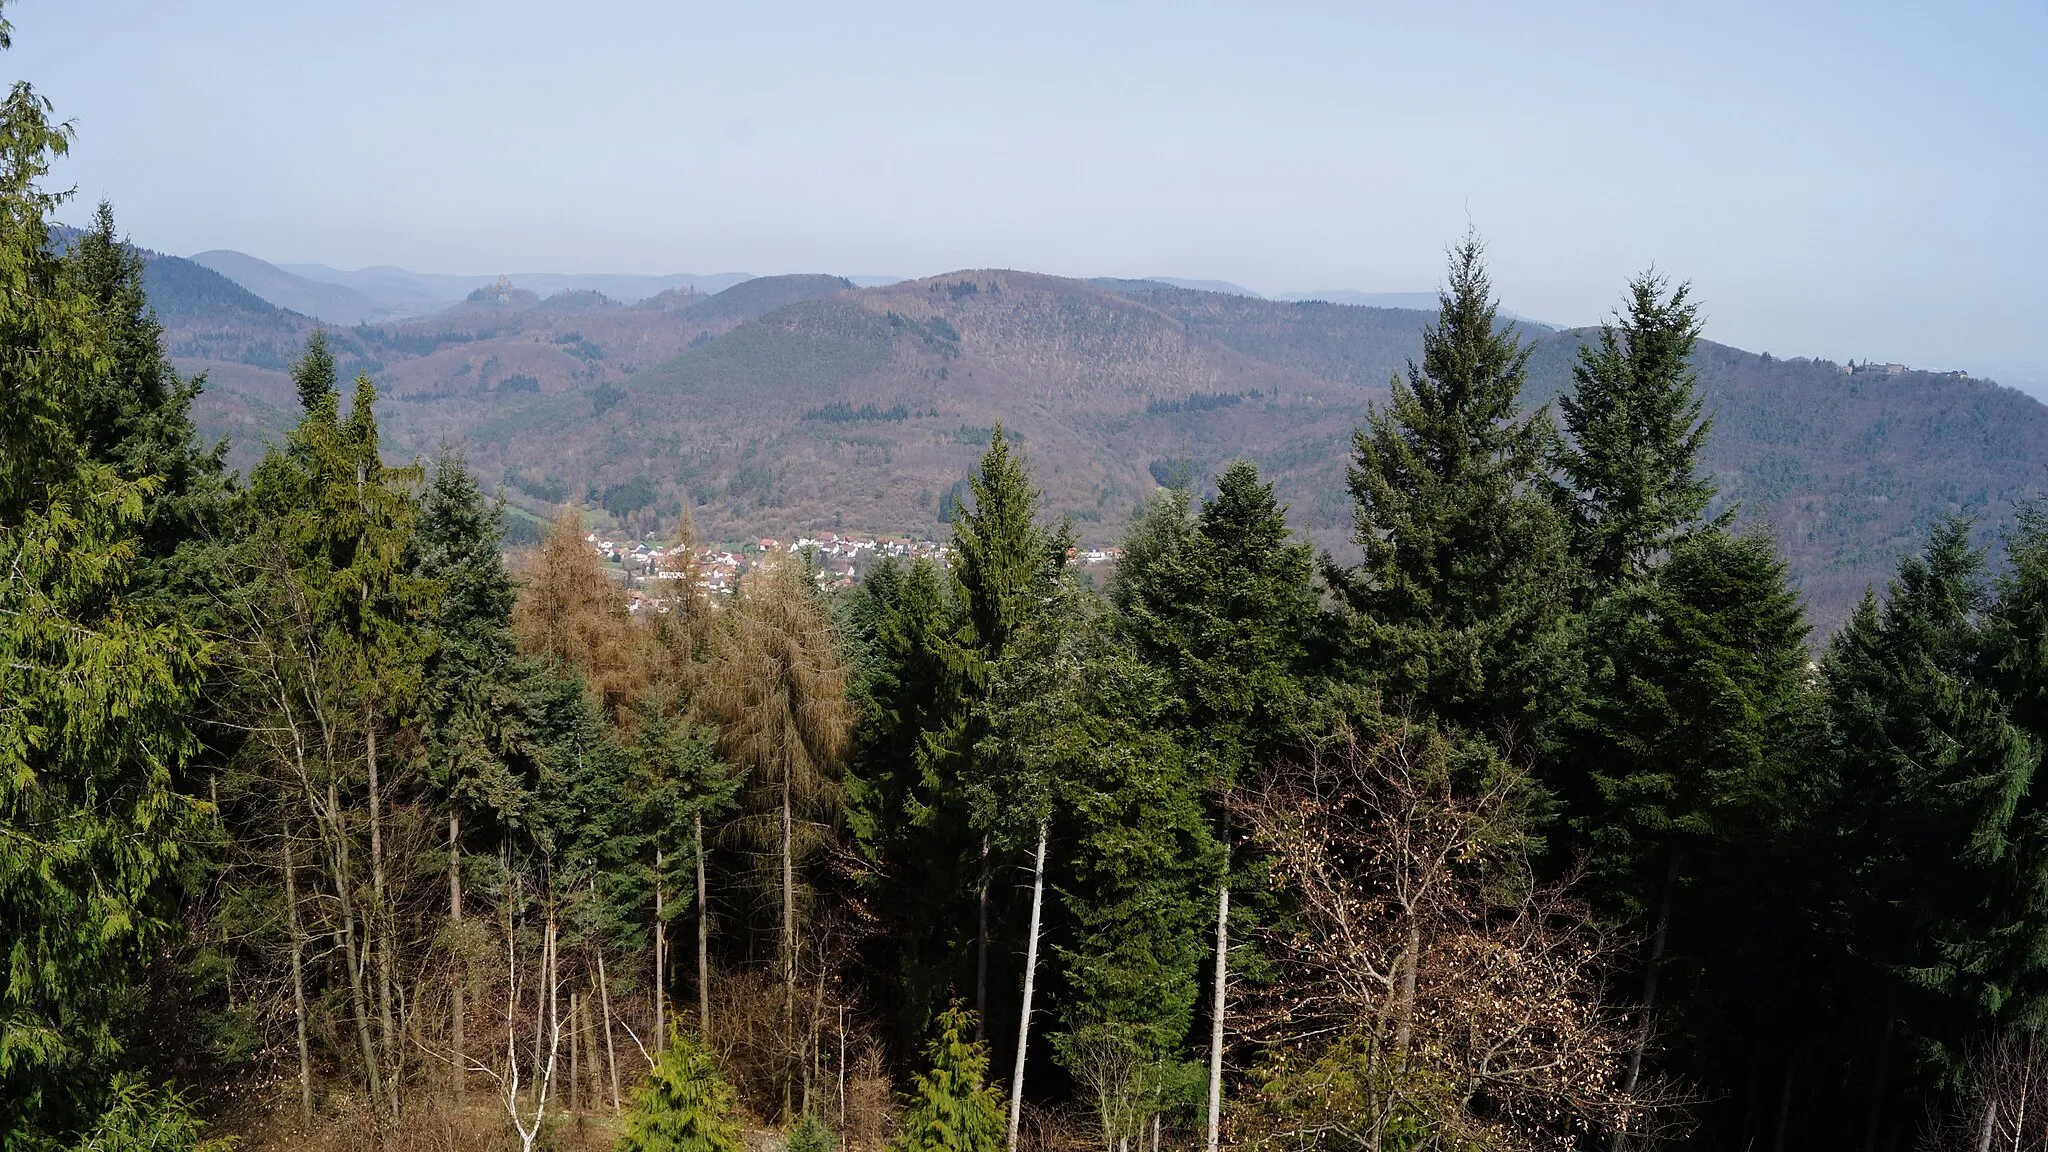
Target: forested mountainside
x=802, y=403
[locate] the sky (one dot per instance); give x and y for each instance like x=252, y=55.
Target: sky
x=1850, y=181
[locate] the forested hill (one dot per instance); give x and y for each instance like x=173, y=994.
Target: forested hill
x=801, y=402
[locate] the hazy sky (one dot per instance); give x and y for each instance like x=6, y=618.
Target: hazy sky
x=1863, y=180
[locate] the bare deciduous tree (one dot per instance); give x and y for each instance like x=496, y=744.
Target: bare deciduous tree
x=1434, y=994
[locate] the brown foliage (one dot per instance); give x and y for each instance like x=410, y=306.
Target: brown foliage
x=1431, y=993
x=571, y=612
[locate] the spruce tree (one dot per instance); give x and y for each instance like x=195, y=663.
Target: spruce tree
x=1634, y=486
x=684, y=1105
x=1079, y=738
x=1004, y=562
x=1459, y=603
x=1935, y=800
x=1226, y=607
x=313, y=374
x=905, y=802
x=474, y=682
x=952, y=1108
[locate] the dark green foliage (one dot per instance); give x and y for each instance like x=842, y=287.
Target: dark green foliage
x=475, y=685
x=1937, y=804
x=1634, y=416
x=684, y=1105
x=313, y=375
x=92, y=832
x=951, y=1107
x=1004, y=562
x=905, y=805
x=1459, y=602
x=1226, y=606
x=1079, y=735
x=1693, y=712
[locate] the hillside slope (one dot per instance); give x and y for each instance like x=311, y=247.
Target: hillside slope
x=803, y=402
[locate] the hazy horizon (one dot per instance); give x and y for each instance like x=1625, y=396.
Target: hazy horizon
x=1836, y=182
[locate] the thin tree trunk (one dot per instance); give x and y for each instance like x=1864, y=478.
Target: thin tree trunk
x=1635, y=1056
x=379, y=928
x=291, y=904
x=1216, y=1014
x=1030, y=978
x=358, y=996
x=703, y=944
x=788, y=929
x=981, y=950
x=1784, y=1105
x=1990, y=1125
x=660, y=957
x=576, y=1052
x=611, y=1056
x=1404, y=999
x=455, y=1000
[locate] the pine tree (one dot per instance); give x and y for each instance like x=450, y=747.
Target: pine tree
x=1632, y=466
x=1079, y=741
x=1459, y=603
x=684, y=1105
x=952, y=1108
x=137, y=417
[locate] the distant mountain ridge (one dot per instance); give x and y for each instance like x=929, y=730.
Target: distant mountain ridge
x=801, y=403
x=382, y=294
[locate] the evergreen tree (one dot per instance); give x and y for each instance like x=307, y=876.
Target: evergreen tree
x=684, y=1105
x=95, y=687
x=474, y=683
x=137, y=417
x=1459, y=603
x=1935, y=802
x=1078, y=737
x=906, y=807
x=1632, y=465
x=1227, y=609
x=313, y=375
x=1004, y=562
x=952, y=1108
x=1691, y=722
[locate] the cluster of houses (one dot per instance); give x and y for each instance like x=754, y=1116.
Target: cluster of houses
x=841, y=560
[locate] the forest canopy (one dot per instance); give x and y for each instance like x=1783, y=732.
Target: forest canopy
x=325, y=817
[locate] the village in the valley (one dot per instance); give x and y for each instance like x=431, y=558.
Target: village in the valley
x=840, y=560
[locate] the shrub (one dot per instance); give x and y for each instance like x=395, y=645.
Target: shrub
x=810, y=1134
x=684, y=1105
x=953, y=1108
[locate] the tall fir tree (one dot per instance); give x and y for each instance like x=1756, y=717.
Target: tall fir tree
x=1632, y=465
x=1226, y=606
x=1460, y=602
x=1936, y=805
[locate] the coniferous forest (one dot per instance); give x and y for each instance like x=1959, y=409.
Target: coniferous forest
x=1547, y=824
